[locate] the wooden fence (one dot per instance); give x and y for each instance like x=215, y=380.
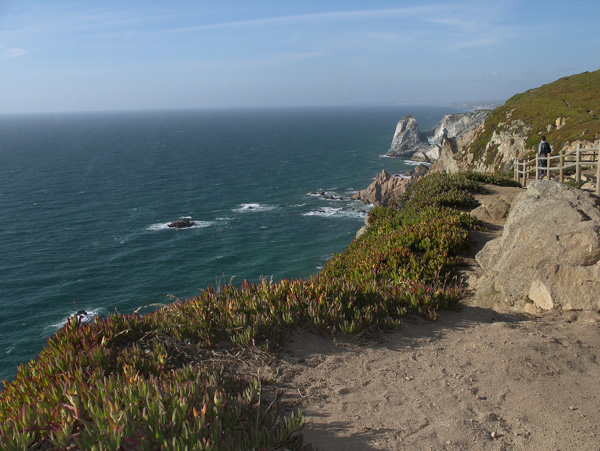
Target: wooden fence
x=530, y=168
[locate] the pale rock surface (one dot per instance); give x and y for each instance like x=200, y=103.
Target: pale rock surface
x=494, y=209
x=447, y=161
x=454, y=125
x=567, y=288
x=548, y=252
x=433, y=153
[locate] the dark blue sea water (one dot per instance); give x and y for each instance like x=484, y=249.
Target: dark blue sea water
x=85, y=200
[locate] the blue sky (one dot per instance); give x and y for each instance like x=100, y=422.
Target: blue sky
x=128, y=55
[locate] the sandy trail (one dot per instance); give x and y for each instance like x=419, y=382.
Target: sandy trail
x=473, y=379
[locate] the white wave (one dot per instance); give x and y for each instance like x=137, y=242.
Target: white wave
x=84, y=317
x=325, y=212
x=254, y=207
x=416, y=163
x=327, y=195
x=330, y=212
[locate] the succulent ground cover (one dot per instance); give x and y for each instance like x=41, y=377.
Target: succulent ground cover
x=178, y=378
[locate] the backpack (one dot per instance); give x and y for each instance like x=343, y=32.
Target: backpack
x=545, y=149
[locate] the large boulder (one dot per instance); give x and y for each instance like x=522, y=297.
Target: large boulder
x=407, y=139
x=548, y=254
x=386, y=187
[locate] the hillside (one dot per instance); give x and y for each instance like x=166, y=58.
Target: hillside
x=566, y=111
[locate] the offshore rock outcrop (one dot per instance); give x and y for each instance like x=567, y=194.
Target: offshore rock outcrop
x=548, y=256
x=182, y=223
x=407, y=139
x=386, y=187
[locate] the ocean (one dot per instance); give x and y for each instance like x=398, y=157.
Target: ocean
x=86, y=199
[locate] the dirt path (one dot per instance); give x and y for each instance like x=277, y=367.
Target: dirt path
x=474, y=379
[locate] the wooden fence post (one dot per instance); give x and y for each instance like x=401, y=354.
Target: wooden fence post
x=578, y=165
x=562, y=166
x=516, y=172
x=598, y=171
x=537, y=167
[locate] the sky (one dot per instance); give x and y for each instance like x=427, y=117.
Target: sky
x=60, y=55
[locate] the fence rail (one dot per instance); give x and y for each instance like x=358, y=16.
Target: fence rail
x=579, y=159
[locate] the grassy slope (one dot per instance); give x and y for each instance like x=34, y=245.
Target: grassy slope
x=576, y=98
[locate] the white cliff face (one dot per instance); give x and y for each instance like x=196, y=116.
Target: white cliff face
x=455, y=125
x=409, y=141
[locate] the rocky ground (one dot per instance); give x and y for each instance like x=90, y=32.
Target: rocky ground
x=474, y=379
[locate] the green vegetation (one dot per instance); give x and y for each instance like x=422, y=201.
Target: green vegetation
x=492, y=179
x=152, y=382
x=574, y=99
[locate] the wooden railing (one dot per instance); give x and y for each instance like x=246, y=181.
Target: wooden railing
x=529, y=169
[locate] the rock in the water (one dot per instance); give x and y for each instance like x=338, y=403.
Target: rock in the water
x=181, y=223
x=548, y=254
x=385, y=187
x=407, y=138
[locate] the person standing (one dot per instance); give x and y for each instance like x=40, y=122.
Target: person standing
x=544, y=151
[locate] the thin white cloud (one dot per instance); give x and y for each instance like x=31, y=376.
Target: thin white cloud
x=395, y=13
x=492, y=76
x=10, y=53
x=483, y=42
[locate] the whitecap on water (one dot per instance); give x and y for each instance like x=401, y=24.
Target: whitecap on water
x=329, y=212
x=416, y=163
x=325, y=212
x=254, y=207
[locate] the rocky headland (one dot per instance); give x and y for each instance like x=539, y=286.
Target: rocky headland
x=410, y=142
